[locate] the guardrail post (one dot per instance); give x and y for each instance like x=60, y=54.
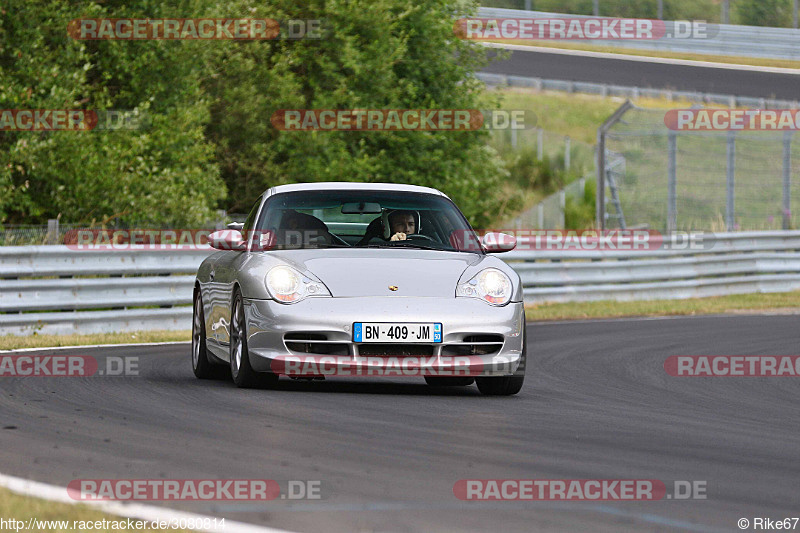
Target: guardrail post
x=672, y=183
x=567, y=150
x=730, y=179
x=787, y=178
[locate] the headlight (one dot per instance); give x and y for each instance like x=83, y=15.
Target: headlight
x=490, y=285
x=287, y=285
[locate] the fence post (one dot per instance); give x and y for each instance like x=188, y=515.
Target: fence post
x=730, y=179
x=596, y=8
x=527, y=5
x=726, y=11
x=787, y=178
x=600, y=200
x=514, y=133
x=562, y=207
x=672, y=183
x=540, y=215
x=567, y=147
x=540, y=144
x=52, y=231
x=796, y=9
x=660, y=9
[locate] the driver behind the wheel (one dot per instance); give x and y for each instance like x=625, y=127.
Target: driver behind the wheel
x=399, y=224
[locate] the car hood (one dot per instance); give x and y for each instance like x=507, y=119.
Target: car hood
x=371, y=272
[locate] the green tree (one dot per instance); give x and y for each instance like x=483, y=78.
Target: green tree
x=162, y=174
x=375, y=54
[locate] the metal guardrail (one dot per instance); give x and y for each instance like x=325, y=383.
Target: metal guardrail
x=730, y=263
x=55, y=289
x=634, y=93
x=60, y=290
x=727, y=39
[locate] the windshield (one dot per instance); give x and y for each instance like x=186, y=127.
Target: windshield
x=365, y=219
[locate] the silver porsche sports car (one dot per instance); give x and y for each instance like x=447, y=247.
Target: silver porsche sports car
x=359, y=279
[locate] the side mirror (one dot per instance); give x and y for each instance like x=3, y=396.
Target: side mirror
x=226, y=239
x=235, y=225
x=498, y=243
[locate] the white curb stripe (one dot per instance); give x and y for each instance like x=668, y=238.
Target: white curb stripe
x=167, y=343
x=142, y=512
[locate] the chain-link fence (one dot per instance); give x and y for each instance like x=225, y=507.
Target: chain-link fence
x=569, y=161
x=663, y=179
x=56, y=232
x=569, y=153
x=550, y=213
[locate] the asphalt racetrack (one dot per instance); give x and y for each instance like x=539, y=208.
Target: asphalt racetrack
x=641, y=73
x=597, y=404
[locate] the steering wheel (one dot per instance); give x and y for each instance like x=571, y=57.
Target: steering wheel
x=418, y=237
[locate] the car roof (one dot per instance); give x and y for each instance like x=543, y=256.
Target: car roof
x=353, y=186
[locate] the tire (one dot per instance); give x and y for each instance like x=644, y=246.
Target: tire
x=201, y=366
x=446, y=381
x=507, y=385
x=242, y=373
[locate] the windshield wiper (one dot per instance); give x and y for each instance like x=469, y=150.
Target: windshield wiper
x=405, y=244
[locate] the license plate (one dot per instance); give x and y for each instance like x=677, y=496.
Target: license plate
x=389, y=332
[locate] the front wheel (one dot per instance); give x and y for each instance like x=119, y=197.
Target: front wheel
x=243, y=374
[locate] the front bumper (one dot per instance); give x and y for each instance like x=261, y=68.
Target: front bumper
x=478, y=339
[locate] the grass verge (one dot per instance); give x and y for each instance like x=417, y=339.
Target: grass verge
x=734, y=60
x=788, y=302
x=577, y=115
x=13, y=342
x=23, y=508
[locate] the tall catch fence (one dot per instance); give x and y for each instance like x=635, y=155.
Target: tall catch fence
x=658, y=178
x=571, y=161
